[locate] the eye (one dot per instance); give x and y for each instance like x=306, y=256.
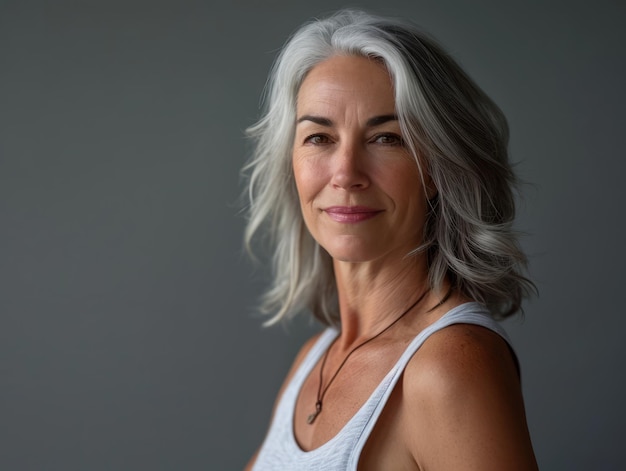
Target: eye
x=317, y=139
x=388, y=139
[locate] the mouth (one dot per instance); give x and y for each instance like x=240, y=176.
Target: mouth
x=351, y=214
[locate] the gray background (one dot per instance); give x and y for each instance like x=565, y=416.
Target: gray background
x=128, y=338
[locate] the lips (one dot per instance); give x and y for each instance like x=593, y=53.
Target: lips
x=351, y=214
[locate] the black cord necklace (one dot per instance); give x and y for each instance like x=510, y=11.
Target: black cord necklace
x=321, y=392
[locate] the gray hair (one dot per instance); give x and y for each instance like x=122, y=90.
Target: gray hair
x=460, y=136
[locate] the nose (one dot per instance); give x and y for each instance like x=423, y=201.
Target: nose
x=349, y=168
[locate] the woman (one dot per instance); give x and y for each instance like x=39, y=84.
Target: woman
x=381, y=172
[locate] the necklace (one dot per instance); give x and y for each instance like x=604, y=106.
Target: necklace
x=321, y=391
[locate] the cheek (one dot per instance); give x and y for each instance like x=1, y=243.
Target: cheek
x=306, y=188
x=408, y=194
x=300, y=180
x=309, y=180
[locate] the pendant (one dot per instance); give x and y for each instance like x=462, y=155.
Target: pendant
x=318, y=408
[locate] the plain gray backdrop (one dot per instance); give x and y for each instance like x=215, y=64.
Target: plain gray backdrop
x=128, y=333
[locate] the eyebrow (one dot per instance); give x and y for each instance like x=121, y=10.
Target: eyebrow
x=315, y=119
x=378, y=120
x=372, y=122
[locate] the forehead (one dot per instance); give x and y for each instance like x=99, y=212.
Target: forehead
x=342, y=80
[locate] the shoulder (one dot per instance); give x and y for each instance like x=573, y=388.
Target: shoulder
x=457, y=353
x=462, y=396
x=300, y=356
x=305, y=349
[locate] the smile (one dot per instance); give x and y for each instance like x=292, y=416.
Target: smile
x=351, y=214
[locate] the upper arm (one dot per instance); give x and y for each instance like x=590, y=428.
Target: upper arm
x=463, y=402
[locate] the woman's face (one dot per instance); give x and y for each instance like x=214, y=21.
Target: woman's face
x=360, y=190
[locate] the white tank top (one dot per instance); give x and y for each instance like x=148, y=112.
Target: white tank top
x=280, y=451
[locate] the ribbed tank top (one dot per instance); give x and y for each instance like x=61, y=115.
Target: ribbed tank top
x=280, y=451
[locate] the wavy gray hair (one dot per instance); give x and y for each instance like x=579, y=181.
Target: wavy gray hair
x=457, y=131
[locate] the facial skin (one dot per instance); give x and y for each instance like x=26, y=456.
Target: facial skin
x=360, y=190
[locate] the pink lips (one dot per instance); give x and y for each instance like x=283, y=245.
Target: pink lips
x=351, y=214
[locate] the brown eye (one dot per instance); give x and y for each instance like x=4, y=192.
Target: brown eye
x=317, y=139
x=388, y=139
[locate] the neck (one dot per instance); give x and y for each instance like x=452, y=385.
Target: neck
x=370, y=298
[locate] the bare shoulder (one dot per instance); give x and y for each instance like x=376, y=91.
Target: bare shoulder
x=459, y=352
x=464, y=405
x=304, y=351
x=300, y=356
